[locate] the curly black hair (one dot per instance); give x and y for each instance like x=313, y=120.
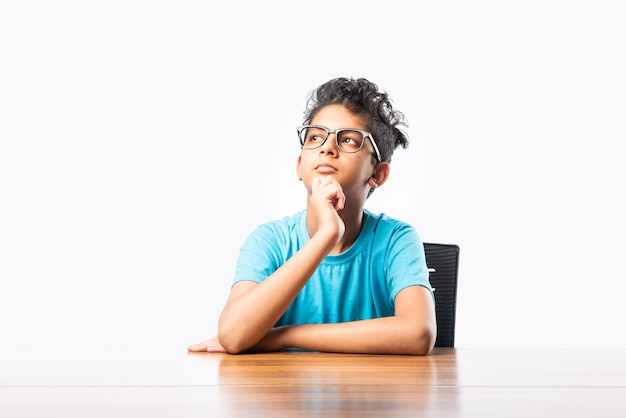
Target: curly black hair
x=363, y=98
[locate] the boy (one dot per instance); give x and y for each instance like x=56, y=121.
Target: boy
x=334, y=277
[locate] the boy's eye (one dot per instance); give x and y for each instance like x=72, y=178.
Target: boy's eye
x=314, y=135
x=350, y=140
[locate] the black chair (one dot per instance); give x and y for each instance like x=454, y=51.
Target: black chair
x=443, y=264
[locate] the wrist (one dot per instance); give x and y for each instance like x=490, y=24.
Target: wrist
x=328, y=237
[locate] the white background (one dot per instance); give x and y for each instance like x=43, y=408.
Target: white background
x=142, y=141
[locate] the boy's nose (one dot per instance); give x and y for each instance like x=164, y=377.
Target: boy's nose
x=330, y=145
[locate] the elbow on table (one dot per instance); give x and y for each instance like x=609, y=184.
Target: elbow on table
x=422, y=341
x=232, y=340
x=230, y=337
x=422, y=348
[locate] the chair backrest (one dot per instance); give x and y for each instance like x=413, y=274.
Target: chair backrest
x=443, y=263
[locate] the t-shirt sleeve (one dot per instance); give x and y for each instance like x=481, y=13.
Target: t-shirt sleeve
x=406, y=261
x=260, y=255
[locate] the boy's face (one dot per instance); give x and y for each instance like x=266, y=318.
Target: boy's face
x=352, y=170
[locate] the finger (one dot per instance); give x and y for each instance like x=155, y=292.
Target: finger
x=340, y=200
x=326, y=185
x=215, y=348
x=318, y=182
x=198, y=347
x=337, y=196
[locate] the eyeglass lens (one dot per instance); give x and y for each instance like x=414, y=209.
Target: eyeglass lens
x=347, y=140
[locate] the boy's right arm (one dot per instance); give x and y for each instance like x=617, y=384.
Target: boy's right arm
x=253, y=308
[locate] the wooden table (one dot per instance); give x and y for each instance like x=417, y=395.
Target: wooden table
x=449, y=383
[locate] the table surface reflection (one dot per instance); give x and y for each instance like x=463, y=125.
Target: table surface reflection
x=449, y=382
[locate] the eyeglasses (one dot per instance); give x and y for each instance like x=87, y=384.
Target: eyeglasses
x=347, y=140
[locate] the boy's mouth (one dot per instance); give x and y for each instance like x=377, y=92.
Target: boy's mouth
x=325, y=168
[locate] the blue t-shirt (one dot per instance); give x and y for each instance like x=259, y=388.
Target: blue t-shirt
x=360, y=283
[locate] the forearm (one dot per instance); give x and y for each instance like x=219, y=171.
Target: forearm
x=388, y=335
x=249, y=315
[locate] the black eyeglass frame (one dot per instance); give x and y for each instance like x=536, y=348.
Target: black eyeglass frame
x=337, y=132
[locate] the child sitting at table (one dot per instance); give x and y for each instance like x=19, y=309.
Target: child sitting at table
x=334, y=277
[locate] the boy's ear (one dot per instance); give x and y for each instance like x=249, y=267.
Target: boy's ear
x=298, y=168
x=380, y=175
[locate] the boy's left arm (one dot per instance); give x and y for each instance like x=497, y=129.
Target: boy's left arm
x=412, y=330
